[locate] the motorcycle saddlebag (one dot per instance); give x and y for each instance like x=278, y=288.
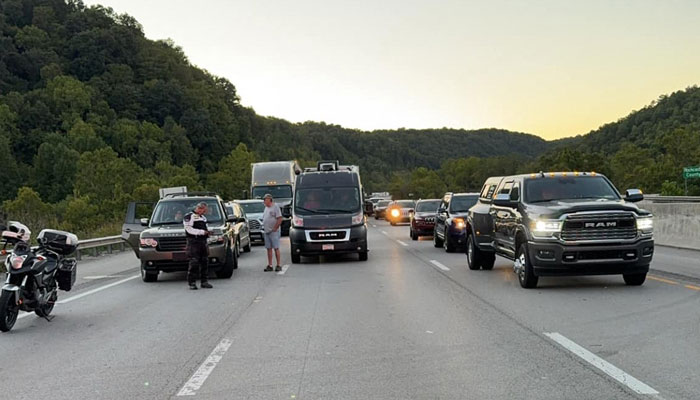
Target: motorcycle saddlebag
x=66, y=274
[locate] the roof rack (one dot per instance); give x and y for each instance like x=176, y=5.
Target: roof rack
x=191, y=194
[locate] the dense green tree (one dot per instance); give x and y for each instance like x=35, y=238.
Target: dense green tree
x=233, y=176
x=53, y=174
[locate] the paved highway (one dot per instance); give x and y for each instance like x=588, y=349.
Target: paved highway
x=412, y=322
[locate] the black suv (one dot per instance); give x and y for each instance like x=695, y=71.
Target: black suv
x=450, y=220
x=559, y=224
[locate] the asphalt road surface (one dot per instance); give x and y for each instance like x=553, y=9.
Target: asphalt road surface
x=412, y=322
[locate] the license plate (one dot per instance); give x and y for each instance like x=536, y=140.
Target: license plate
x=328, y=247
x=179, y=256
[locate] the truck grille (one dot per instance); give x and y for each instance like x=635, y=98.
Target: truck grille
x=172, y=244
x=612, y=226
x=327, y=235
x=254, y=225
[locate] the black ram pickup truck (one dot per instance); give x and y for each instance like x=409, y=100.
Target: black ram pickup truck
x=560, y=224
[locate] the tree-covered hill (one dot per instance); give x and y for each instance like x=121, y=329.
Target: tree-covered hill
x=93, y=115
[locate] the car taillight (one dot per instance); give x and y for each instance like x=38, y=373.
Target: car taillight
x=298, y=221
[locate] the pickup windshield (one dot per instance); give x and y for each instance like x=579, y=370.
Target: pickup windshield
x=171, y=212
x=336, y=200
x=277, y=192
x=428, y=206
x=540, y=190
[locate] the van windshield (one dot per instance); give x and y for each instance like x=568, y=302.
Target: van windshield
x=171, y=212
x=277, y=192
x=336, y=200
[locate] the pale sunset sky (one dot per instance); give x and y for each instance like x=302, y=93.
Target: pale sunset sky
x=553, y=68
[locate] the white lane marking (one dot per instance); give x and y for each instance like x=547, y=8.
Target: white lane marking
x=257, y=299
x=285, y=267
x=93, y=291
x=200, y=376
x=402, y=243
x=439, y=265
x=611, y=370
x=384, y=233
x=374, y=226
x=99, y=289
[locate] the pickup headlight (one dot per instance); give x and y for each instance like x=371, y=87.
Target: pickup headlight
x=459, y=223
x=148, y=242
x=215, y=239
x=645, y=224
x=545, y=227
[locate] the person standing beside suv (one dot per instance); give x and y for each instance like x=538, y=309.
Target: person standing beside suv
x=197, y=233
x=272, y=220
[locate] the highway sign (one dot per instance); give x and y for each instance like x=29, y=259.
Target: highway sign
x=691, y=172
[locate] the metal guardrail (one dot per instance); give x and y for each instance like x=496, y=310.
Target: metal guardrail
x=654, y=198
x=93, y=246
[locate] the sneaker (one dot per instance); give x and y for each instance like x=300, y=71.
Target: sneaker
x=193, y=286
x=278, y=268
x=268, y=268
x=206, y=285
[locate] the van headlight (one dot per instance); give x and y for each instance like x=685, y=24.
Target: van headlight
x=545, y=227
x=358, y=219
x=645, y=224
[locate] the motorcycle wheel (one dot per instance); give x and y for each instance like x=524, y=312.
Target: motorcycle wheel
x=46, y=310
x=8, y=311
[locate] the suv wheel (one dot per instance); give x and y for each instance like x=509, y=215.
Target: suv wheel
x=634, y=279
x=231, y=263
x=526, y=275
x=246, y=248
x=296, y=258
x=363, y=255
x=436, y=240
x=414, y=236
x=473, y=254
x=148, y=276
x=447, y=243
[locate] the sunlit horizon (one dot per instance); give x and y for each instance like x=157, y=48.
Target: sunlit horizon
x=547, y=68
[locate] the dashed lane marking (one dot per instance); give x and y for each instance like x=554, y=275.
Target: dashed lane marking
x=619, y=375
x=200, y=376
x=439, y=265
x=384, y=233
x=285, y=267
x=404, y=244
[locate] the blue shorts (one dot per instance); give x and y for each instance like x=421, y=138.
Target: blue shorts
x=272, y=240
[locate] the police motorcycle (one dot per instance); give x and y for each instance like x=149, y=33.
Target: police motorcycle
x=35, y=274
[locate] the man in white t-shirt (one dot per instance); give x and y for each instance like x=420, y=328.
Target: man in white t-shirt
x=272, y=220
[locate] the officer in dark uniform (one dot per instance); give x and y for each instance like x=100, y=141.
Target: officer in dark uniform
x=197, y=250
